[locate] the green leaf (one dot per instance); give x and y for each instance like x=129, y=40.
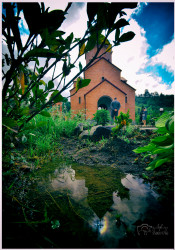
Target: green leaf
x=164, y=140
x=45, y=113
x=162, y=120
x=159, y=139
x=127, y=36
x=92, y=9
x=40, y=52
x=82, y=49
x=161, y=161
x=91, y=42
x=145, y=176
x=81, y=83
x=69, y=40
x=102, y=16
x=171, y=125
x=9, y=122
x=50, y=85
x=146, y=148
x=55, y=224
x=52, y=20
x=59, y=98
x=33, y=9
x=40, y=70
x=80, y=66
x=163, y=150
x=42, y=82
x=120, y=23
x=151, y=165
x=117, y=34
x=162, y=130
x=66, y=69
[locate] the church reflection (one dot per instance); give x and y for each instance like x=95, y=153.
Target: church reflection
x=101, y=182
x=91, y=190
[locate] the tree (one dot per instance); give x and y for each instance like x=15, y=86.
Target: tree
x=147, y=94
x=25, y=93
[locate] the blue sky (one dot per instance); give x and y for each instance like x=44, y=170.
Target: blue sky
x=157, y=19
x=148, y=60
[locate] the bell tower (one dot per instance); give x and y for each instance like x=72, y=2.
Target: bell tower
x=108, y=55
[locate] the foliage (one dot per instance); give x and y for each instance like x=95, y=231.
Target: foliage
x=102, y=117
x=25, y=93
x=153, y=102
x=121, y=121
x=161, y=148
x=55, y=224
x=45, y=131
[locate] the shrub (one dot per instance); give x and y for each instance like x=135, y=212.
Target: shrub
x=161, y=148
x=102, y=117
x=121, y=121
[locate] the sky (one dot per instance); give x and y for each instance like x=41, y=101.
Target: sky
x=147, y=61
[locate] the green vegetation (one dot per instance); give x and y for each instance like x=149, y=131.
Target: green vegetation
x=153, y=102
x=102, y=117
x=121, y=121
x=161, y=148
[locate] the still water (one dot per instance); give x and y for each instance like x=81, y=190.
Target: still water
x=100, y=206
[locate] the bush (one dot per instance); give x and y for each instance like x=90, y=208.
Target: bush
x=121, y=121
x=161, y=148
x=102, y=117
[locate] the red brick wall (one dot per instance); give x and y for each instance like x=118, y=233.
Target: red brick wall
x=107, y=55
x=104, y=89
x=103, y=68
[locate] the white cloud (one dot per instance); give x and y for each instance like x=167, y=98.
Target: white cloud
x=153, y=84
x=131, y=57
x=165, y=57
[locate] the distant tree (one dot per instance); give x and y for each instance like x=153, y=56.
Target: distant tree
x=155, y=93
x=147, y=94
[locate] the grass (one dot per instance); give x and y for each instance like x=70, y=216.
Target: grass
x=44, y=135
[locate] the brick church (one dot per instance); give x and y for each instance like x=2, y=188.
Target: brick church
x=106, y=84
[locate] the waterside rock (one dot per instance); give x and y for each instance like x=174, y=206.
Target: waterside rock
x=96, y=133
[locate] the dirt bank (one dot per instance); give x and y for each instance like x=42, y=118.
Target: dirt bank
x=114, y=152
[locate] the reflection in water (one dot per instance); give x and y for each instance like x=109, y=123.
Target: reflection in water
x=101, y=183
x=97, y=184
x=103, y=229
x=98, y=194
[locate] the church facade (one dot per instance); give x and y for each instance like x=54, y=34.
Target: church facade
x=106, y=84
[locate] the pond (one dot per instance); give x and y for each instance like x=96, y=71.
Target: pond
x=78, y=206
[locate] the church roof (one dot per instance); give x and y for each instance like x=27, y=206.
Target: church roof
x=122, y=78
x=101, y=83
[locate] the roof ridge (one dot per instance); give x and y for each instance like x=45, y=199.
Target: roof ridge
x=101, y=83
